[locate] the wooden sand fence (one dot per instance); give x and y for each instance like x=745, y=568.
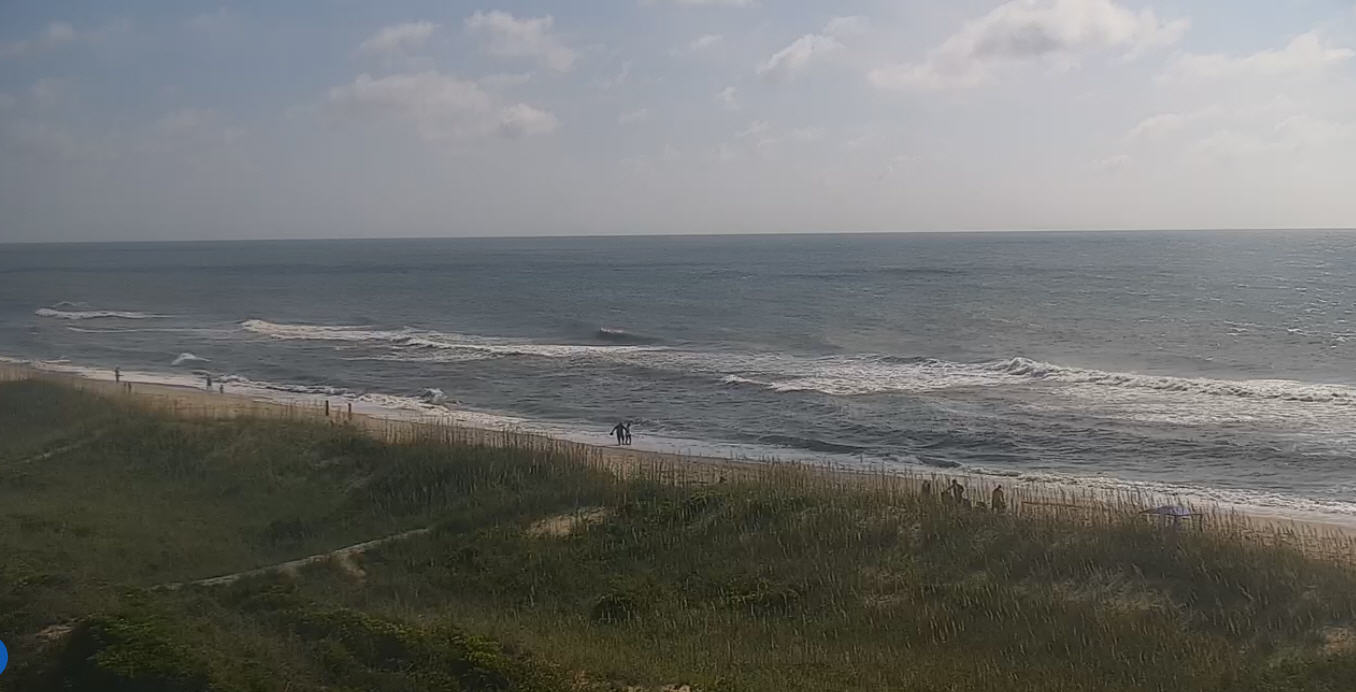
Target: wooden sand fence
x=1042, y=501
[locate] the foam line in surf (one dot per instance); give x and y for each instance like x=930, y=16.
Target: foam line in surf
x=426, y=339
x=848, y=376
x=94, y=314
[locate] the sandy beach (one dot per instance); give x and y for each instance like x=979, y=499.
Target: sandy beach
x=1323, y=535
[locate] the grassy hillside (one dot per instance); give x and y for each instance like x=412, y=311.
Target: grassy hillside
x=543, y=573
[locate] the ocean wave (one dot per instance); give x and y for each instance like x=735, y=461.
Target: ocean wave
x=621, y=336
x=810, y=443
x=832, y=375
x=424, y=339
x=93, y=314
x=309, y=389
x=161, y=330
x=1285, y=390
x=187, y=357
x=849, y=376
x=736, y=379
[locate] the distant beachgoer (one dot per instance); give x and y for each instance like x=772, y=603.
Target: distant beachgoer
x=117, y=374
x=998, y=499
x=209, y=382
x=619, y=430
x=955, y=492
x=626, y=433
x=221, y=389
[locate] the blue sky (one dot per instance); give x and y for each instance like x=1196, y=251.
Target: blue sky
x=345, y=118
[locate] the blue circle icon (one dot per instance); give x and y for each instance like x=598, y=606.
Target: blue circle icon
x=4, y=657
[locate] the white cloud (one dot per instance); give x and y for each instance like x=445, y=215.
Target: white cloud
x=757, y=130
x=185, y=120
x=201, y=126
x=728, y=98
x=709, y=3
x=1156, y=125
x=1023, y=30
x=701, y=44
x=522, y=120
x=844, y=27
x=790, y=61
x=793, y=59
x=507, y=36
x=1113, y=163
x=53, y=35
x=441, y=106
x=398, y=38
x=635, y=116
x=1287, y=138
x=618, y=80
x=1304, y=53
x=505, y=80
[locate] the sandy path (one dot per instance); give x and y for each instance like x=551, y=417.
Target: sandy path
x=343, y=557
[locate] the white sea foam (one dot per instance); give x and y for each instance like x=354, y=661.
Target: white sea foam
x=162, y=330
x=1250, y=501
x=93, y=314
x=187, y=357
x=868, y=375
x=1254, y=502
x=433, y=340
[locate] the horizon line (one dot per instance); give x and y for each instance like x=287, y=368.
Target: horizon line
x=743, y=234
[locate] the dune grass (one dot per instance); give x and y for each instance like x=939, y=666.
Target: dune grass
x=543, y=571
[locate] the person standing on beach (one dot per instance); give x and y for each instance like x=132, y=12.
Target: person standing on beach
x=626, y=433
x=117, y=374
x=620, y=431
x=209, y=382
x=998, y=500
x=955, y=492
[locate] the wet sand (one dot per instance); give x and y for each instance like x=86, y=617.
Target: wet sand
x=1320, y=535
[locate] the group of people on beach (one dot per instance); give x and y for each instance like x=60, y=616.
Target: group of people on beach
x=954, y=493
x=622, y=431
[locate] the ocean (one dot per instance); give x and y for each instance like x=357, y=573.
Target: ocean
x=1212, y=365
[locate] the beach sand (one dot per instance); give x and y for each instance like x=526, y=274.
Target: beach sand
x=1321, y=535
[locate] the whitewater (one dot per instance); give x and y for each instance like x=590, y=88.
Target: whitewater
x=1207, y=366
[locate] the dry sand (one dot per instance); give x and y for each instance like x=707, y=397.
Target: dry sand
x=1328, y=536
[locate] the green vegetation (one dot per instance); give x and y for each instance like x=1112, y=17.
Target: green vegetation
x=541, y=572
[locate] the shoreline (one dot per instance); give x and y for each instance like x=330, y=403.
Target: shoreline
x=1034, y=494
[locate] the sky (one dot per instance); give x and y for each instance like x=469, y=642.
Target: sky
x=176, y=120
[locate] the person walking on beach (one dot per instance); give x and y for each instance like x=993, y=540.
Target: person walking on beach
x=626, y=432
x=955, y=492
x=117, y=374
x=998, y=500
x=619, y=430
x=209, y=382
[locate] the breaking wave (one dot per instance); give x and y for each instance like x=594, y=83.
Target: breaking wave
x=621, y=336
x=187, y=357
x=425, y=339
x=867, y=375
x=91, y=314
x=833, y=375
